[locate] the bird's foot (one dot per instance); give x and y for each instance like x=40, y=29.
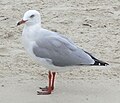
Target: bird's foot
x=45, y=88
x=44, y=93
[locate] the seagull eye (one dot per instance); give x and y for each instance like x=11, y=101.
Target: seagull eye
x=32, y=16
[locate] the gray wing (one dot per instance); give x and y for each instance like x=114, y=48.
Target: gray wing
x=61, y=51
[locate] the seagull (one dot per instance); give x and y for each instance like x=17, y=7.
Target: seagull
x=52, y=50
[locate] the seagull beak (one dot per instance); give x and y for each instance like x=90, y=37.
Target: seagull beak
x=21, y=22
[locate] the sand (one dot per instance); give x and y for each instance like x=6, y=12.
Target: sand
x=91, y=24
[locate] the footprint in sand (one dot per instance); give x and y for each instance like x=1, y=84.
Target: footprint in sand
x=4, y=51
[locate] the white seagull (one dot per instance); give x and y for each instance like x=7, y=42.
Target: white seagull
x=51, y=49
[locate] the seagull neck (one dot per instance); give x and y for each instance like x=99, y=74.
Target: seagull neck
x=30, y=32
x=34, y=25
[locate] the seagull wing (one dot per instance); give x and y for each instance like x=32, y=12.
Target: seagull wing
x=61, y=51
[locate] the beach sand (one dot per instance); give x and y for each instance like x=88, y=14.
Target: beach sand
x=92, y=24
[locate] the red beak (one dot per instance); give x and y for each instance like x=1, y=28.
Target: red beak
x=21, y=22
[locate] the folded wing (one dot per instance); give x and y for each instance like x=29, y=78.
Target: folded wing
x=61, y=51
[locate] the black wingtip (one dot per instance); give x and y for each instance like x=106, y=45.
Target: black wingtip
x=97, y=62
x=100, y=63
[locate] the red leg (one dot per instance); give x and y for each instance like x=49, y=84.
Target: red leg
x=53, y=79
x=49, y=89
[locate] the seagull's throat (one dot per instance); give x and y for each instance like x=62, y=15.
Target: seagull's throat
x=29, y=24
x=30, y=31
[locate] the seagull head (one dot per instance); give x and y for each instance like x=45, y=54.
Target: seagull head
x=31, y=17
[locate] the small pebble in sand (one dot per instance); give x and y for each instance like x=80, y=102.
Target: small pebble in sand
x=2, y=85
